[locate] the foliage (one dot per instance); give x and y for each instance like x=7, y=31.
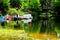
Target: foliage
x=12, y=10
x=15, y=3
x=4, y=5
x=14, y=35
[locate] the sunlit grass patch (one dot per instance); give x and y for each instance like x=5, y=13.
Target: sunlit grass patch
x=13, y=35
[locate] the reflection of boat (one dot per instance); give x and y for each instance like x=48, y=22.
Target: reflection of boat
x=2, y=18
x=27, y=18
x=8, y=18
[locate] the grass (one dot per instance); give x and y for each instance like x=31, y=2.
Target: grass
x=9, y=34
x=57, y=30
x=13, y=34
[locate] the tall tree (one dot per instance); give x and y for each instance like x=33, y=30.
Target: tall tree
x=57, y=13
x=35, y=7
x=4, y=5
x=15, y=3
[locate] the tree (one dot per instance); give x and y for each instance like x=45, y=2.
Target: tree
x=35, y=7
x=4, y=5
x=57, y=13
x=15, y=3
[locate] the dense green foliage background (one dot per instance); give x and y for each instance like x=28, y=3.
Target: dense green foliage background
x=16, y=6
